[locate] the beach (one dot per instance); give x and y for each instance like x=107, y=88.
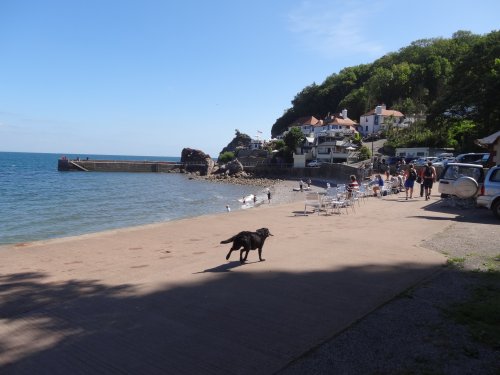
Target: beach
x=162, y=298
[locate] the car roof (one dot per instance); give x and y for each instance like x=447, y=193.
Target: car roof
x=474, y=153
x=465, y=165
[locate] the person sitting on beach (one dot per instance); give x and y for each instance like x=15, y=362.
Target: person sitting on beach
x=352, y=185
x=378, y=185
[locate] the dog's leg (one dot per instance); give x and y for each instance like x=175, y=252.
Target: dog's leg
x=260, y=254
x=245, y=250
x=229, y=254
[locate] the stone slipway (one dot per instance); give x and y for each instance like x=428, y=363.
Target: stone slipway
x=162, y=298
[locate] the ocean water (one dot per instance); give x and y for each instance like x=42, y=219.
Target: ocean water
x=38, y=202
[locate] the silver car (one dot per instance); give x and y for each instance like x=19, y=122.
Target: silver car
x=461, y=180
x=490, y=192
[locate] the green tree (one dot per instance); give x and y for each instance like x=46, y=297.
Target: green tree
x=293, y=138
x=225, y=157
x=442, y=82
x=364, y=153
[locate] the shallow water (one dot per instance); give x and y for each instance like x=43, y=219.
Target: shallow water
x=38, y=202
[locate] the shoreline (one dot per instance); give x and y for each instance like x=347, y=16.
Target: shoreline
x=172, y=280
x=282, y=193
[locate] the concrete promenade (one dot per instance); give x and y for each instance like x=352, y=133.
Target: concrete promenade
x=162, y=299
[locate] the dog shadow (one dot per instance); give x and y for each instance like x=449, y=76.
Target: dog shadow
x=226, y=267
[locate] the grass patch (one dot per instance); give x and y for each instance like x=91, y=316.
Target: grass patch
x=492, y=264
x=456, y=263
x=480, y=313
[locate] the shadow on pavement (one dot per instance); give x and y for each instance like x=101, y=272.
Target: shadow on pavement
x=235, y=322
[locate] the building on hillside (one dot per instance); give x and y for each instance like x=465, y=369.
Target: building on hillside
x=339, y=125
x=306, y=124
x=326, y=140
x=331, y=149
x=256, y=144
x=377, y=119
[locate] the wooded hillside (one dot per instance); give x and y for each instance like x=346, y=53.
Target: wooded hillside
x=451, y=85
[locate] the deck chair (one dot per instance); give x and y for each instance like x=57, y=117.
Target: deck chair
x=312, y=200
x=363, y=192
x=387, y=188
x=334, y=200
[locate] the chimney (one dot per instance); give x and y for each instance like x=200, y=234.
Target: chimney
x=378, y=110
x=344, y=114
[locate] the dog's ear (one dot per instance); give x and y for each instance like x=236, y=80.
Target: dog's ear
x=264, y=232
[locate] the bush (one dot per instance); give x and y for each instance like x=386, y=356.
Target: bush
x=226, y=157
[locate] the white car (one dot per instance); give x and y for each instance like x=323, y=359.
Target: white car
x=420, y=162
x=314, y=163
x=442, y=161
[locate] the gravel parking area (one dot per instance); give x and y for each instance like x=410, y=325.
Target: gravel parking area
x=415, y=333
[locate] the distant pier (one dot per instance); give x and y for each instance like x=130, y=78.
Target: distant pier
x=88, y=165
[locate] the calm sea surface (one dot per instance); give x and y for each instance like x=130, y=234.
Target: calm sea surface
x=38, y=202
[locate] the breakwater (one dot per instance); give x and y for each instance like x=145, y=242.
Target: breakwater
x=117, y=165
x=337, y=172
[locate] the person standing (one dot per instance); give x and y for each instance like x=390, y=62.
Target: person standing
x=411, y=176
x=387, y=172
x=429, y=179
x=421, y=181
x=268, y=196
x=301, y=185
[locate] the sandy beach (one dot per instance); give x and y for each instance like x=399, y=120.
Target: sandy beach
x=163, y=299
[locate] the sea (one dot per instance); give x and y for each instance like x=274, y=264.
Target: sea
x=37, y=202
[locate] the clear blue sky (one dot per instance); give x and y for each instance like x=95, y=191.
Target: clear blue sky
x=150, y=77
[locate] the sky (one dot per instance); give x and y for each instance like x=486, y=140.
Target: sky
x=151, y=77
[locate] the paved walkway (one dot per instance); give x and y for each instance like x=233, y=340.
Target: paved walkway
x=162, y=298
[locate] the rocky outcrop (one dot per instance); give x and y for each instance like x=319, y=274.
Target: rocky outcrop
x=234, y=167
x=240, y=141
x=196, y=161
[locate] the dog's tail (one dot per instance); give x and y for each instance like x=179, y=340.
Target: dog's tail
x=228, y=240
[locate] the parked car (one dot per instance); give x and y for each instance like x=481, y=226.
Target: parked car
x=314, y=163
x=473, y=158
x=490, y=192
x=371, y=137
x=393, y=160
x=420, y=162
x=443, y=161
x=461, y=180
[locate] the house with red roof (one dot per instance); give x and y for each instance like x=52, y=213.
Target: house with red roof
x=327, y=139
x=339, y=125
x=377, y=119
x=306, y=124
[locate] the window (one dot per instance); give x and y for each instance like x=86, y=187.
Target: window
x=495, y=176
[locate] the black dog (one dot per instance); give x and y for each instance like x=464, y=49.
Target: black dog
x=249, y=241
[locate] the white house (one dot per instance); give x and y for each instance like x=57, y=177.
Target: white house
x=340, y=126
x=306, y=124
x=375, y=120
x=324, y=139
